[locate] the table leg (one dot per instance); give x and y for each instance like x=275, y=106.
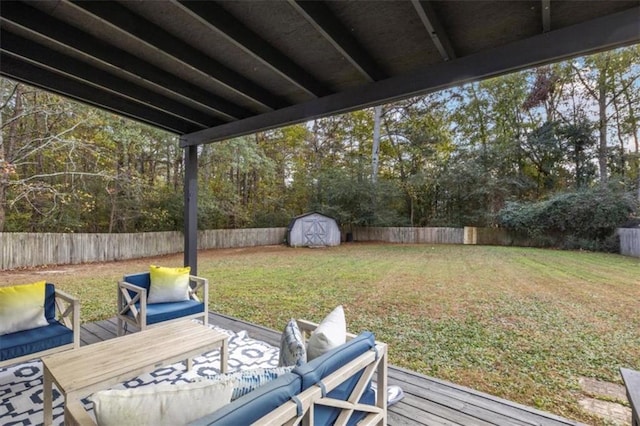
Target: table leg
x=224, y=356
x=189, y=364
x=47, y=395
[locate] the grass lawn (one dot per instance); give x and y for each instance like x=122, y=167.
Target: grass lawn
x=523, y=324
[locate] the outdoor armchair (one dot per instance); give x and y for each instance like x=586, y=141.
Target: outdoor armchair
x=59, y=331
x=135, y=309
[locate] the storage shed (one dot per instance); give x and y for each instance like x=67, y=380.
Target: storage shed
x=313, y=230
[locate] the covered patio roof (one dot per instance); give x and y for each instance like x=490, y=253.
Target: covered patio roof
x=209, y=71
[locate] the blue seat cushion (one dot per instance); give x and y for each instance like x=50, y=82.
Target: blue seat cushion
x=318, y=368
x=159, y=312
x=38, y=339
x=254, y=405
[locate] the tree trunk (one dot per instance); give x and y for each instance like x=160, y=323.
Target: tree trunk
x=6, y=153
x=633, y=122
x=602, y=127
x=602, y=124
x=375, y=152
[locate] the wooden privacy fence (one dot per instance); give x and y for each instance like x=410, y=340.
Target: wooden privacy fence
x=21, y=249
x=629, y=241
x=228, y=238
x=410, y=235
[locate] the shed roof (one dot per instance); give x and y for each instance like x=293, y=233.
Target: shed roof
x=213, y=70
x=294, y=219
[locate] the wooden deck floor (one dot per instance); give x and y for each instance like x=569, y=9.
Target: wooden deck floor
x=427, y=401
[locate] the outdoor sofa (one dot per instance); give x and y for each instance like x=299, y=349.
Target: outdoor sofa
x=60, y=330
x=335, y=388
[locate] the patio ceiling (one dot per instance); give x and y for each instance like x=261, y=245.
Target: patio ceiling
x=214, y=70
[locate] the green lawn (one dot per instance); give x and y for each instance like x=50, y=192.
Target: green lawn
x=523, y=324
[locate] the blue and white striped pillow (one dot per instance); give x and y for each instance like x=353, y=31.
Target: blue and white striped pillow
x=292, y=347
x=248, y=380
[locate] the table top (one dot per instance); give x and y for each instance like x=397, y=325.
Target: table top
x=122, y=358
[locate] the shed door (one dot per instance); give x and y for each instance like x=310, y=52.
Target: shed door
x=315, y=231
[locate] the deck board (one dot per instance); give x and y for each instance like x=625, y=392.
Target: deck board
x=428, y=401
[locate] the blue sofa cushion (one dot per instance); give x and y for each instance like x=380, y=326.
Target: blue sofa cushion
x=159, y=312
x=254, y=405
x=50, y=302
x=35, y=340
x=142, y=279
x=318, y=368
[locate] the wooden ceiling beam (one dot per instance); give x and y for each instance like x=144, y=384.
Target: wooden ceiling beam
x=319, y=15
x=128, y=22
x=20, y=70
x=74, y=69
x=546, y=15
x=434, y=28
x=221, y=21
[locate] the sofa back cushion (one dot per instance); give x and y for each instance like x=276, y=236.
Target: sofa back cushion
x=318, y=368
x=22, y=307
x=50, y=303
x=142, y=279
x=254, y=405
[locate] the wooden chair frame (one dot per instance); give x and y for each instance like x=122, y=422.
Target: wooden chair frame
x=127, y=303
x=68, y=312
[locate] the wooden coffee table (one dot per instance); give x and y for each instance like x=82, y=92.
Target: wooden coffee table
x=83, y=371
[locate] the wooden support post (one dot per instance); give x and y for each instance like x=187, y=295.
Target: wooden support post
x=191, y=208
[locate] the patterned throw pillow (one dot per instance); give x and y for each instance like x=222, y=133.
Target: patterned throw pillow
x=330, y=333
x=168, y=284
x=292, y=349
x=22, y=307
x=248, y=380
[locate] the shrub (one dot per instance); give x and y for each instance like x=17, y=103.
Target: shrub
x=586, y=219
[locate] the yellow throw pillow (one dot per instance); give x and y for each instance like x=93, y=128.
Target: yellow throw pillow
x=168, y=284
x=22, y=307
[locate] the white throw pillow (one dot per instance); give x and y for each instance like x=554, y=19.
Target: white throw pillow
x=331, y=333
x=161, y=405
